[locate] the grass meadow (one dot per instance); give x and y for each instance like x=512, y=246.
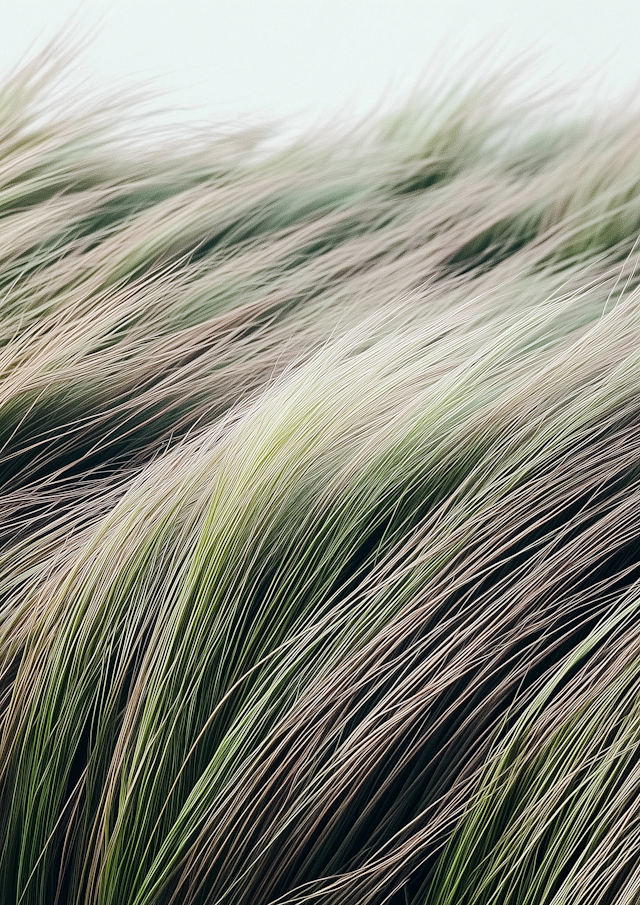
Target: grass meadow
x=319, y=505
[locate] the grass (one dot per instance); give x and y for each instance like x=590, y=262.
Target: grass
x=319, y=472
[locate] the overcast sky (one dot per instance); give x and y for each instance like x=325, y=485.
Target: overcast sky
x=231, y=59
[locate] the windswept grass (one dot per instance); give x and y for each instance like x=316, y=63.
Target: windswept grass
x=320, y=480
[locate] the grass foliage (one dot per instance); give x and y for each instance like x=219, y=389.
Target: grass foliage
x=320, y=480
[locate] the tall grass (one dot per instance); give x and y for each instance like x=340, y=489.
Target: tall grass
x=319, y=478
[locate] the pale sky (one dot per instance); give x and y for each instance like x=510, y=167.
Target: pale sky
x=234, y=59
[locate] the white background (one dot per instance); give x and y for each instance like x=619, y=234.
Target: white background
x=245, y=59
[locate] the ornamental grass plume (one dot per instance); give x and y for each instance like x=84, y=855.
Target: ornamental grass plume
x=319, y=478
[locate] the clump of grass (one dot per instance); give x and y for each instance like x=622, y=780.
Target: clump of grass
x=319, y=474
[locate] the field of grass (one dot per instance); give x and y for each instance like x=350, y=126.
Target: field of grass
x=319, y=506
